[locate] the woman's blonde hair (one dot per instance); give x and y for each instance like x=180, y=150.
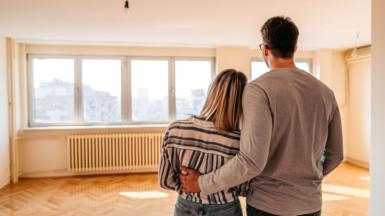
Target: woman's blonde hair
x=223, y=105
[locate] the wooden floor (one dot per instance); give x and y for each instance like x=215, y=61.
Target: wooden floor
x=345, y=193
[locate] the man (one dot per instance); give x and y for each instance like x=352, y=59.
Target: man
x=291, y=134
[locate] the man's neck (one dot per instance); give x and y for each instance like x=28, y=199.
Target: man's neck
x=282, y=63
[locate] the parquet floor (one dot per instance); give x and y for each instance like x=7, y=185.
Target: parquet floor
x=345, y=193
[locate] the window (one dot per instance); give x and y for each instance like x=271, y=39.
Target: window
x=149, y=84
x=192, y=79
x=258, y=67
x=53, y=94
x=303, y=65
x=80, y=90
x=102, y=90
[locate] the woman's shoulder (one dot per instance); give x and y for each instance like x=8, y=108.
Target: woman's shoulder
x=184, y=122
x=198, y=134
x=196, y=125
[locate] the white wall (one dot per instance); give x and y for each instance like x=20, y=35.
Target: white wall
x=358, y=107
x=324, y=66
x=377, y=165
x=4, y=132
x=330, y=67
x=234, y=57
x=350, y=80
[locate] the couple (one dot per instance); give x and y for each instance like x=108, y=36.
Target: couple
x=272, y=140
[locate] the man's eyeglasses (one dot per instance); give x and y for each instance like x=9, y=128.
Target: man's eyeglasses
x=261, y=46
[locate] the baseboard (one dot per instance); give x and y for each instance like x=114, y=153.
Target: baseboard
x=359, y=163
x=4, y=182
x=65, y=173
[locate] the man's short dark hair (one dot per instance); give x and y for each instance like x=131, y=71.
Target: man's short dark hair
x=280, y=34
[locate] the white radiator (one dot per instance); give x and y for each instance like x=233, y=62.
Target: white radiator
x=114, y=152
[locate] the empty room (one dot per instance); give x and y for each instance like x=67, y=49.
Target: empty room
x=179, y=107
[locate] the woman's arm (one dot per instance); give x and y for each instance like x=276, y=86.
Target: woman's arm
x=167, y=175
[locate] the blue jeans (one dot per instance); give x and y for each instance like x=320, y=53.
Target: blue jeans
x=251, y=211
x=187, y=208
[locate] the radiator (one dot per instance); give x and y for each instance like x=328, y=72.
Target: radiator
x=114, y=152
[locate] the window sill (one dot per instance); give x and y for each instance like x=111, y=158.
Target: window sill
x=62, y=131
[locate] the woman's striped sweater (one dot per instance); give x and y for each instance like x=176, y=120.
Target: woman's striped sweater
x=195, y=143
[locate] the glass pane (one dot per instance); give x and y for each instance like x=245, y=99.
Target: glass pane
x=303, y=66
x=101, y=84
x=149, y=81
x=258, y=68
x=53, y=90
x=192, y=79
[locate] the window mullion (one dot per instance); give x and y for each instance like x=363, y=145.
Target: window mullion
x=127, y=89
x=171, y=92
x=31, y=92
x=78, y=92
x=214, y=72
x=123, y=81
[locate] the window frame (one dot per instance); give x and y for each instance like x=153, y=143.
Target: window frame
x=126, y=88
x=144, y=58
x=299, y=60
x=213, y=74
x=79, y=88
x=31, y=92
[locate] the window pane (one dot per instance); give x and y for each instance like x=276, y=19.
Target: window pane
x=53, y=90
x=101, y=84
x=192, y=79
x=258, y=68
x=149, y=81
x=303, y=66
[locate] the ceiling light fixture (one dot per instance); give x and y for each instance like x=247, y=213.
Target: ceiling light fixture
x=126, y=4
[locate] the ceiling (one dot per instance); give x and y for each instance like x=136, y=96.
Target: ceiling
x=197, y=23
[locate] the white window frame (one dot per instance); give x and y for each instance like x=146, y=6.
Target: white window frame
x=170, y=78
x=213, y=74
x=31, y=93
x=299, y=60
x=126, y=72
x=79, y=87
x=309, y=61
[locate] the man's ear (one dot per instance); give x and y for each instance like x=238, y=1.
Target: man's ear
x=296, y=48
x=265, y=51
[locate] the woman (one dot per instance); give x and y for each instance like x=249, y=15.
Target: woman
x=205, y=143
